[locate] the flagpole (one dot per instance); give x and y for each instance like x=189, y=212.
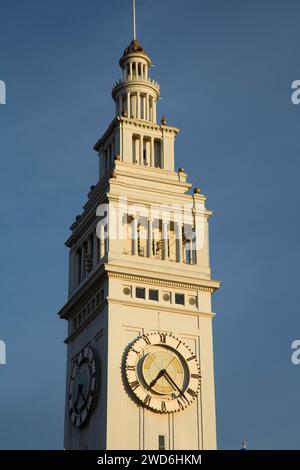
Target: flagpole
x=134, y=19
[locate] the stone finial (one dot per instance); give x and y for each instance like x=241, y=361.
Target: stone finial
x=124, y=114
x=77, y=218
x=197, y=191
x=117, y=157
x=181, y=169
x=163, y=121
x=113, y=174
x=92, y=188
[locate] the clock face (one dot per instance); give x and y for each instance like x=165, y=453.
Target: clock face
x=82, y=386
x=162, y=372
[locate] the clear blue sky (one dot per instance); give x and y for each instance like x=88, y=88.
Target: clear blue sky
x=225, y=69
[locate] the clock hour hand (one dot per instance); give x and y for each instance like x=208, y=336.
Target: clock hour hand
x=161, y=373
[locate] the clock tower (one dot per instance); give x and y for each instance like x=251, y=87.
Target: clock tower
x=140, y=371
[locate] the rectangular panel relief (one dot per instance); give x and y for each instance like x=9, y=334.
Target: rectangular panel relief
x=146, y=425
x=133, y=416
x=187, y=432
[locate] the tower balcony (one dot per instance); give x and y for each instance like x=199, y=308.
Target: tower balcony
x=146, y=82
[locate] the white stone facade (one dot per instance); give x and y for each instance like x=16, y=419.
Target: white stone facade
x=153, y=279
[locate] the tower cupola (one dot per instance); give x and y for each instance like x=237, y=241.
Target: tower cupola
x=136, y=94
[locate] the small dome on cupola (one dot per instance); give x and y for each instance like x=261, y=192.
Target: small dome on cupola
x=135, y=50
x=134, y=47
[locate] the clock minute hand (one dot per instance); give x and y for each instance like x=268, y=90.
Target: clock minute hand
x=84, y=398
x=171, y=381
x=78, y=395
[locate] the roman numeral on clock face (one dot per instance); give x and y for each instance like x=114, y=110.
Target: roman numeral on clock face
x=196, y=376
x=147, y=400
x=191, y=358
x=130, y=368
x=191, y=392
x=146, y=339
x=134, y=385
x=163, y=406
x=180, y=404
x=163, y=337
x=135, y=351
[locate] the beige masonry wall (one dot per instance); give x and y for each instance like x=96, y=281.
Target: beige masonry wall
x=131, y=426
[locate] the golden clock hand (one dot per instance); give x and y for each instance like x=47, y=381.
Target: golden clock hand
x=166, y=368
x=157, y=367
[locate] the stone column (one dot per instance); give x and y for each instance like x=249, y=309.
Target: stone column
x=76, y=268
x=165, y=239
x=134, y=236
x=154, y=111
x=138, y=98
x=178, y=242
x=101, y=242
x=90, y=245
x=147, y=107
x=136, y=150
x=141, y=150
x=120, y=105
x=95, y=249
x=72, y=256
x=150, y=238
x=144, y=106
x=82, y=262
x=151, y=108
x=128, y=105
x=147, y=161
x=152, y=152
x=130, y=71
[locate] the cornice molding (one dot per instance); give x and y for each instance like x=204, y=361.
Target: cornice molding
x=161, y=282
x=84, y=293
x=141, y=123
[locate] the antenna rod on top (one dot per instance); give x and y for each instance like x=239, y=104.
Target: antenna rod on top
x=134, y=19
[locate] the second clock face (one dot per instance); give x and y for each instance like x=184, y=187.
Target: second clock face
x=162, y=372
x=82, y=386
